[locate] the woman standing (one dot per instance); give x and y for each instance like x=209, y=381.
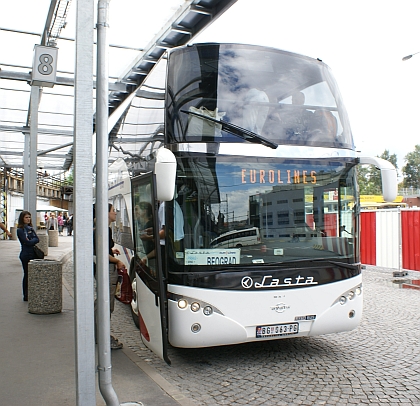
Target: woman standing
x=28, y=239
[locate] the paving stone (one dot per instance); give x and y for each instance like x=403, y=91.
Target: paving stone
x=376, y=364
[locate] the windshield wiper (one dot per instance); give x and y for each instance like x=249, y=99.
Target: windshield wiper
x=237, y=131
x=291, y=264
x=310, y=260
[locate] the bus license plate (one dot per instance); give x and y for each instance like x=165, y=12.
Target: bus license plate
x=277, y=330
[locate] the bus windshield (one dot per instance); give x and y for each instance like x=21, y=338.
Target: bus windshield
x=262, y=211
x=282, y=97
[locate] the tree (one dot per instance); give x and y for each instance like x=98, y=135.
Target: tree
x=411, y=170
x=68, y=180
x=369, y=177
x=376, y=173
x=363, y=179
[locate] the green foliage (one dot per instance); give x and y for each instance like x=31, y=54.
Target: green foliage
x=69, y=179
x=369, y=177
x=363, y=180
x=411, y=170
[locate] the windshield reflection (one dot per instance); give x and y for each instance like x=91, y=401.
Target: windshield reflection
x=284, y=97
x=265, y=212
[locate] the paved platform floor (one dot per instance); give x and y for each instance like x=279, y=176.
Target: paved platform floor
x=375, y=364
x=37, y=365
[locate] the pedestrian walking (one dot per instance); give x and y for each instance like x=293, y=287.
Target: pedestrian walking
x=69, y=224
x=4, y=228
x=60, y=222
x=52, y=223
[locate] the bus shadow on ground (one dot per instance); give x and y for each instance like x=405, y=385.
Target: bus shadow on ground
x=284, y=350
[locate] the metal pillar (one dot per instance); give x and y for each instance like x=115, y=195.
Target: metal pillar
x=3, y=200
x=31, y=171
x=102, y=252
x=26, y=172
x=83, y=196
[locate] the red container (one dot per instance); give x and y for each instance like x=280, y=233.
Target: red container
x=410, y=236
x=368, y=238
x=124, y=293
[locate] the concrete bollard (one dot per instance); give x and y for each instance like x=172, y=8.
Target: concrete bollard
x=43, y=243
x=13, y=230
x=45, y=286
x=53, y=238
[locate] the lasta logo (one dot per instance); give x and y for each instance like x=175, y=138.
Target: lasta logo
x=269, y=281
x=280, y=307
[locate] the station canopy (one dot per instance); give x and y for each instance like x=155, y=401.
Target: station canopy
x=139, y=34
x=44, y=208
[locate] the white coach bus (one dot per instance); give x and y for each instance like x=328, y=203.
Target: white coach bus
x=258, y=136
x=237, y=238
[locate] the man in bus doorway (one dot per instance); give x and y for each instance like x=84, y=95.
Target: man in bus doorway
x=114, y=265
x=164, y=227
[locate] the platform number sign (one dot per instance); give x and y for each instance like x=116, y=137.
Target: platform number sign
x=45, y=66
x=44, y=69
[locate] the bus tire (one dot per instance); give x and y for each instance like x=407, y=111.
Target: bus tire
x=133, y=304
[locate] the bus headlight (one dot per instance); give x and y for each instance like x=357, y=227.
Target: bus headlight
x=195, y=307
x=342, y=300
x=208, y=310
x=358, y=290
x=182, y=303
x=195, y=328
x=351, y=295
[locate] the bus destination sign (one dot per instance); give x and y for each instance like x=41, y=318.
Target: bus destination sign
x=215, y=256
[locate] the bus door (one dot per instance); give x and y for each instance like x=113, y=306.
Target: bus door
x=150, y=286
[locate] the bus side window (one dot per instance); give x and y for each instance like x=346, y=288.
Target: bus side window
x=144, y=231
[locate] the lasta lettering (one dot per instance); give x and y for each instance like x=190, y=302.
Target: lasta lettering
x=269, y=281
x=277, y=176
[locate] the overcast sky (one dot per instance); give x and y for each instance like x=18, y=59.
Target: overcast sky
x=362, y=41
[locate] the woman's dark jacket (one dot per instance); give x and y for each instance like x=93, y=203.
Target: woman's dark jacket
x=28, y=239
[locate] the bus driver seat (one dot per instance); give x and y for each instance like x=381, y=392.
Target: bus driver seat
x=255, y=112
x=326, y=126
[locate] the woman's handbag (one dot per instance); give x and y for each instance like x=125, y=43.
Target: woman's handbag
x=38, y=252
x=124, y=292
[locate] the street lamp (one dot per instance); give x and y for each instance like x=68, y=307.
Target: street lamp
x=406, y=58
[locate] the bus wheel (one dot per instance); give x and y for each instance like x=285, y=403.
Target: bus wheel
x=133, y=304
x=134, y=309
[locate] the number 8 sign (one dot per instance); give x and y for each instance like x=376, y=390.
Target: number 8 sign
x=44, y=68
x=45, y=65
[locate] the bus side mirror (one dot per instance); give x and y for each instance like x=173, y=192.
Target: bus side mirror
x=165, y=171
x=388, y=176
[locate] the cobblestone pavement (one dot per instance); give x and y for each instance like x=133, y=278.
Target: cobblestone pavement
x=379, y=363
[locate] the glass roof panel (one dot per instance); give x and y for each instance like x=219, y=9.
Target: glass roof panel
x=142, y=128
x=14, y=102
x=132, y=29
x=17, y=49
x=56, y=110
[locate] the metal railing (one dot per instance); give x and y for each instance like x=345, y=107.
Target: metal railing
x=47, y=185
x=409, y=191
